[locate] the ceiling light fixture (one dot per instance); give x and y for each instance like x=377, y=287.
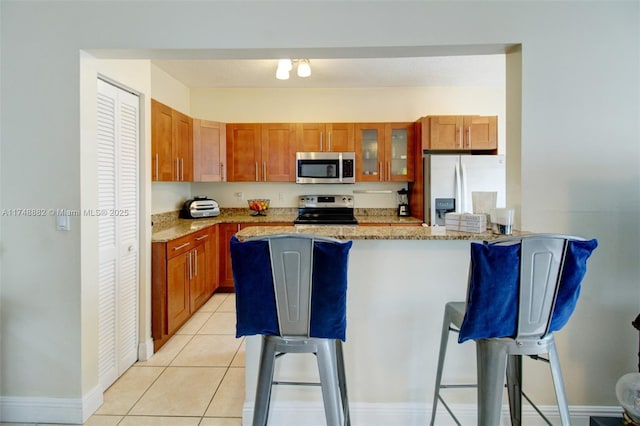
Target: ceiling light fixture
x=286, y=65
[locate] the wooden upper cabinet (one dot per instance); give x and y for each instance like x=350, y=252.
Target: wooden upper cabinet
x=209, y=151
x=171, y=144
x=385, y=152
x=161, y=142
x=261, y=152
x=325, y=137
x=459, y=133
x=278, y=142
x=481, y=132
x=243, y=152
x=182, y=146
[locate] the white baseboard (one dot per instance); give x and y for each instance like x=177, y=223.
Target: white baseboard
x=405, y=414
x=50, y=410
x=145, y=350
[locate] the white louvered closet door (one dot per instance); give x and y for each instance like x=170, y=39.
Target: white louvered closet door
x=118, y=136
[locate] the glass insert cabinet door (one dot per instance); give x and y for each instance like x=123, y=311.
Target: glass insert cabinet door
x=384, y=152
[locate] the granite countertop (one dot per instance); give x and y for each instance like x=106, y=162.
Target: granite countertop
x=169, y=227
x=352, y=232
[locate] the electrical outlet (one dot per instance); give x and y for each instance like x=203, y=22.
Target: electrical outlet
x=281, y=196
x=240, y=196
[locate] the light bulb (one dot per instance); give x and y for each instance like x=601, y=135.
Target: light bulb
x=282, y=74
x=285, y=64
x=304, y=69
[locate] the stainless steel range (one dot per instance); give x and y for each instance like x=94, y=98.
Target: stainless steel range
x=325, y=210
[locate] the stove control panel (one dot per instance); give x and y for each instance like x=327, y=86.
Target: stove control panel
x=325, y=201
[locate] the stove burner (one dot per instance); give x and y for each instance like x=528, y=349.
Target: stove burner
x=325, y=210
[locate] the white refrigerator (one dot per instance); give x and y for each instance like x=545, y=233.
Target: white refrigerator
x=449, y=181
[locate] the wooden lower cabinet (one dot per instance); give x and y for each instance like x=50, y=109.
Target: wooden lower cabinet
x=183, y=277
x=226, y=231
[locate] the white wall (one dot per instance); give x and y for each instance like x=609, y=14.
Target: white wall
x=579, y=132
x=334, y=105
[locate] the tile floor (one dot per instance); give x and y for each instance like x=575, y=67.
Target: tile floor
x=195, y=379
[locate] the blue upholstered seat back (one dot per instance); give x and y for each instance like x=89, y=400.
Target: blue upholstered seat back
x=256, y=307
x=495, y=293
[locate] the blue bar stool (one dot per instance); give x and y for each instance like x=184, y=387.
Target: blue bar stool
x=521, y=290
x=292, y=290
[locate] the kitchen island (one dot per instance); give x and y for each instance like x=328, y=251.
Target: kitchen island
x=399, y=279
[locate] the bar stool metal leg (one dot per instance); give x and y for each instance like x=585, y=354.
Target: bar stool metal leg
x=558, y=384
x=514, y=388
x=265, y=379
x=327, y=366
x=492, y=365
x=342, y=380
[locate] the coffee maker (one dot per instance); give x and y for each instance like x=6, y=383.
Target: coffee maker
x=403, y=203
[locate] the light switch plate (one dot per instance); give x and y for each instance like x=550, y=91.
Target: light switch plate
x=63, y=223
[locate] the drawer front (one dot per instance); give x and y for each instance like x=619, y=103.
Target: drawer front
x=179, y=246
x=202, y=236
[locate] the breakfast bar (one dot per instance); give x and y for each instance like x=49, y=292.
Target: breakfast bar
x=399, y=279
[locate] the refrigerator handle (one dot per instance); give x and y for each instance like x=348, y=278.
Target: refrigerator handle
x=459, y=195
x=463, y=195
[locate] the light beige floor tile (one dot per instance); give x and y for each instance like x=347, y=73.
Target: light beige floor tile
x=220, y=323
x=229, y=304
x=219, y=421
x=229, y=399
x=180, y=391
x=168, y=351
x=239, y=360
x=159, y=421
x=208, y=351
x=214, y=302
x=126, y=391
x=97, y=420
x=194, y=323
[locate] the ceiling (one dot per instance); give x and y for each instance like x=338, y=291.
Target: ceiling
x=468, y=70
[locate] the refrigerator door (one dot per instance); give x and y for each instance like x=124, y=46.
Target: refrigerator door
x=440, y=183
x=482, y=173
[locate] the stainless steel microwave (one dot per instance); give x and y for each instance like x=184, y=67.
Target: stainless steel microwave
x=326, y=167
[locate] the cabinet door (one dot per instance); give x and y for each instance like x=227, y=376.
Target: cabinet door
x=369, y=151
x=198, y=284
x=225, y=232
x=243, y=152
x=182, y=147
x=178, y=307
x=399, y=150
x=445, y=133
x=161, y=137
x=212, y=275
x=481, y=132
x=311, y=137
x=278, y=152
x=209, y=151
x=340, y=137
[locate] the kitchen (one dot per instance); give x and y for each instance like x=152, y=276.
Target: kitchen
x=553, y=104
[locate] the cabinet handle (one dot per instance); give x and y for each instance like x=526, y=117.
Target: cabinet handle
x=177, y=168
x=222, y=172
x=157, y=166
x=460, y=137
x=182, y=172
x=389, y=170
x=329, y=141
x=196, y=263
x=469, y=136
x=264, y=171
x=321, y=142
x=202, y=237
x=256, y=171
x=181, y=246
x=381, y=171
